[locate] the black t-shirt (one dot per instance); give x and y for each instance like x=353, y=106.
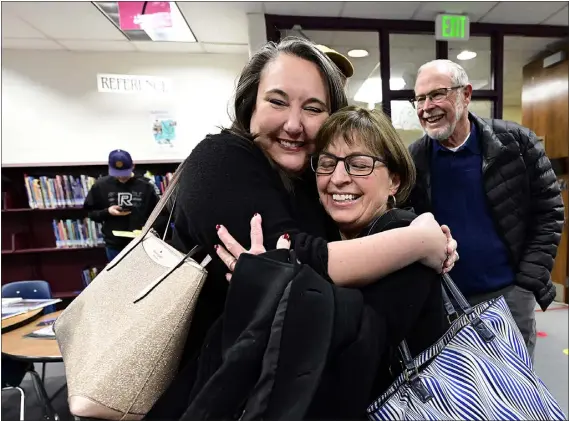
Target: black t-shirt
x=226, y=180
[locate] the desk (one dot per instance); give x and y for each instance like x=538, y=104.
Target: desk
x=17, y=346
x=20, y=318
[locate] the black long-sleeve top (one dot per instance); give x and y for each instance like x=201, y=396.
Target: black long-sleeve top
x=226, y=180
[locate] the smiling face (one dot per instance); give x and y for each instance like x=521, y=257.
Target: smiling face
x=291, y=105
x=354, y=202
x=439, y=118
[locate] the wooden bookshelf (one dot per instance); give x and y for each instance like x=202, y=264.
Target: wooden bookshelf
x=29, y=249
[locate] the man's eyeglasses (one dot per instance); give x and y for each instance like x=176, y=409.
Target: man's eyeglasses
x=435, y=96
x=358, y=165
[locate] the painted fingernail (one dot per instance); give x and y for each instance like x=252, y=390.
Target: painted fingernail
x=216, y=246
x=286, y=236
x=256, y=214
x=217, y=227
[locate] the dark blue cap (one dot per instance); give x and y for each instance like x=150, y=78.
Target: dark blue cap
x=120, y=163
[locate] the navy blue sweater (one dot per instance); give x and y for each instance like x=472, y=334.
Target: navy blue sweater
x=459, y=201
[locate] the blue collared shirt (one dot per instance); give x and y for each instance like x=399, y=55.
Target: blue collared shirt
x=459, y=201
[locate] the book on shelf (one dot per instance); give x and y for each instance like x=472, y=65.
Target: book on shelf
x=61, y=191
x=161, y=182
x=77, y=233
x=89, y=274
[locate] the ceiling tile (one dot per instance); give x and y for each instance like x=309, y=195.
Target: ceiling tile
x=168, y=47
x=30, y=44
x=380, y=10
x=84, y=45
x=474, y=10
x=318, y=37
x=305, y=8
x=357, y=39
x=217, y=22
x=521, y=12
x=67, y=20
x=226, y=48
x=560, y=18
x=14, y=27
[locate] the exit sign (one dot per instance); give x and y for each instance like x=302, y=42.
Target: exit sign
x=452, y=28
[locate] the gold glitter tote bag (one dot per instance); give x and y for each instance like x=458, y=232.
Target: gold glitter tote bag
x=121, y=339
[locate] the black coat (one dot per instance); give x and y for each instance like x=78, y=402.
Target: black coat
x=291, y=345
x=523, y=196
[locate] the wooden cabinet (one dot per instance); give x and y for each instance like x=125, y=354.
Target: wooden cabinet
x=545, y=110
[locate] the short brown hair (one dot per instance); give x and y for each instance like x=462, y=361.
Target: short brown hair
x=373, y=129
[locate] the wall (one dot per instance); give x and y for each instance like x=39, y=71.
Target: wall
x=53, y=113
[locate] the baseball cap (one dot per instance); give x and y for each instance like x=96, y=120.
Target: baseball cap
x=345, y=65
x=120, y=163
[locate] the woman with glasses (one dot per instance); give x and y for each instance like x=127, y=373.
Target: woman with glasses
x=363, y=170
x=261, y=165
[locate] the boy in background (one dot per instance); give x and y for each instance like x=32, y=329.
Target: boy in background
x=120, y=201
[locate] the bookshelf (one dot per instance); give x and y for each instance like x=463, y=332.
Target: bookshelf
x=29, y=249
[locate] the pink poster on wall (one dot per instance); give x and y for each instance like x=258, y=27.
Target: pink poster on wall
x=140, y=14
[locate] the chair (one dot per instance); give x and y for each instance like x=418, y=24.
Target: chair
x=39, y=290
x=30, y=290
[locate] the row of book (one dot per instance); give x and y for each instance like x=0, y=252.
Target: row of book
x=62, y=191
x=160, y=181
x=65, y=191
x=88, y=274
x=77, y=233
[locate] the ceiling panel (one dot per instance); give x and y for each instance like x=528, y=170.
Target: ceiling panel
x=560, y=18
x=67, y=20
x=305, y=8
x=30, y=44
x=474, y=10
x=226, y=48
x=14, y=27
x=357, y=39
x=217, y=22
x=168, y=47
x=522, y=12
x=380, y=10
x=84, y=45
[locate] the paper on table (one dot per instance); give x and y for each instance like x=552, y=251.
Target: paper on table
x=127, y=234
x=25, y=305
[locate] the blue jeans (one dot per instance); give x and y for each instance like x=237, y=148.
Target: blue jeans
x=111, y=253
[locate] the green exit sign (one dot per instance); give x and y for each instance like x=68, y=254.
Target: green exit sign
x=452, y=28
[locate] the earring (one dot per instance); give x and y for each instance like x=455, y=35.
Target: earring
x=393, y=203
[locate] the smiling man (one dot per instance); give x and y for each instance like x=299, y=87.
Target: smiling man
x=491, y=183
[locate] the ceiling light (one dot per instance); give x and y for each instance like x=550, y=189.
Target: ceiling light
x=466, y=55
x=370, y=91
x=358, y=53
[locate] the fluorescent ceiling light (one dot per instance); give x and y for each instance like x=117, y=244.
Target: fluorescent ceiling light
x=358, y=53
x=178, y=32
x=370, y=92
x=466, y=55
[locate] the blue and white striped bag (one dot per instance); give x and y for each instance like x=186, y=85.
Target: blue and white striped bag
x=479, y=370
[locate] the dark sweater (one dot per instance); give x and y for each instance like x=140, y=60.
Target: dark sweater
x=137, y=194
x=459, y=201
x=226, y=180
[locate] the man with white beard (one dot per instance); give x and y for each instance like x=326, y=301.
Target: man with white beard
x=491, y=183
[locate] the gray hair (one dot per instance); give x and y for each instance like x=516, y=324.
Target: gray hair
x=456, y=72
x=248, y=84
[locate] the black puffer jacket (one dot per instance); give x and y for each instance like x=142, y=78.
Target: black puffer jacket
x=523, y=195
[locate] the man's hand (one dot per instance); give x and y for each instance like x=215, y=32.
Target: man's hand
x=116, y=210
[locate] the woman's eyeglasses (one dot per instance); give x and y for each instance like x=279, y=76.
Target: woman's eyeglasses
x=358, y=165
